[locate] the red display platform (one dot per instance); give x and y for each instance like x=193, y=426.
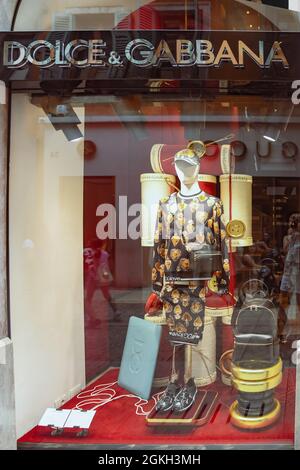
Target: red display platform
x=117, y=423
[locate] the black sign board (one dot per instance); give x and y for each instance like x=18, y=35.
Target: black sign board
x=149, y=55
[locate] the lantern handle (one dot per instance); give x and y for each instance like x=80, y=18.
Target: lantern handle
x=227, y=137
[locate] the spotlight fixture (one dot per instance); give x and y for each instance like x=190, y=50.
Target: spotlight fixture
x=272, y=138
x=72, y=132
x=61, y=115
x=67, y=121
x=272, y=134
x=63, y=118
x=269, y=138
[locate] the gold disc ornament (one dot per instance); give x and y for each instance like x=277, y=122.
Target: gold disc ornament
x=198, y=147
x=236, y=228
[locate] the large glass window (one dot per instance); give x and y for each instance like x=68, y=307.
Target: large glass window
x=81, y=255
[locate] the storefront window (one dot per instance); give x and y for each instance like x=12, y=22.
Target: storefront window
x=81, y=256
x=154, y=220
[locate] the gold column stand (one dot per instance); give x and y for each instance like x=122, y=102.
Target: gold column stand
x=250, y=380
x=253, y=422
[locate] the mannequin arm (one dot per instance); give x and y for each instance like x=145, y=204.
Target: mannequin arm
x=158, y=266
x=222, y=277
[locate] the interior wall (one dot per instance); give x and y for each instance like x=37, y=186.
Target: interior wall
x=46, y=267
x=7, y=9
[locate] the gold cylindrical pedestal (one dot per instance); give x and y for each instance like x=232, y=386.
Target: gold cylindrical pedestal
x=248, y=374
x=257, y=386
x=253, y=409
x=254, y=422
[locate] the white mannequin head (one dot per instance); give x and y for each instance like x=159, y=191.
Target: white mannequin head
x=187, y=173
x=187, y=166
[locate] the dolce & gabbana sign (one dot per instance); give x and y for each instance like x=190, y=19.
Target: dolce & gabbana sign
x=141, y=54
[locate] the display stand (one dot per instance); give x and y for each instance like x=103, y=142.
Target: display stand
x=62, y=420
x=198, y=415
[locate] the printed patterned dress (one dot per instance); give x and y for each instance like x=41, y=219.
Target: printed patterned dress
x=183, y=225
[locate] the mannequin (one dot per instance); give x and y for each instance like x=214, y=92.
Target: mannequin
x=188, y=177
x=189, y=249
